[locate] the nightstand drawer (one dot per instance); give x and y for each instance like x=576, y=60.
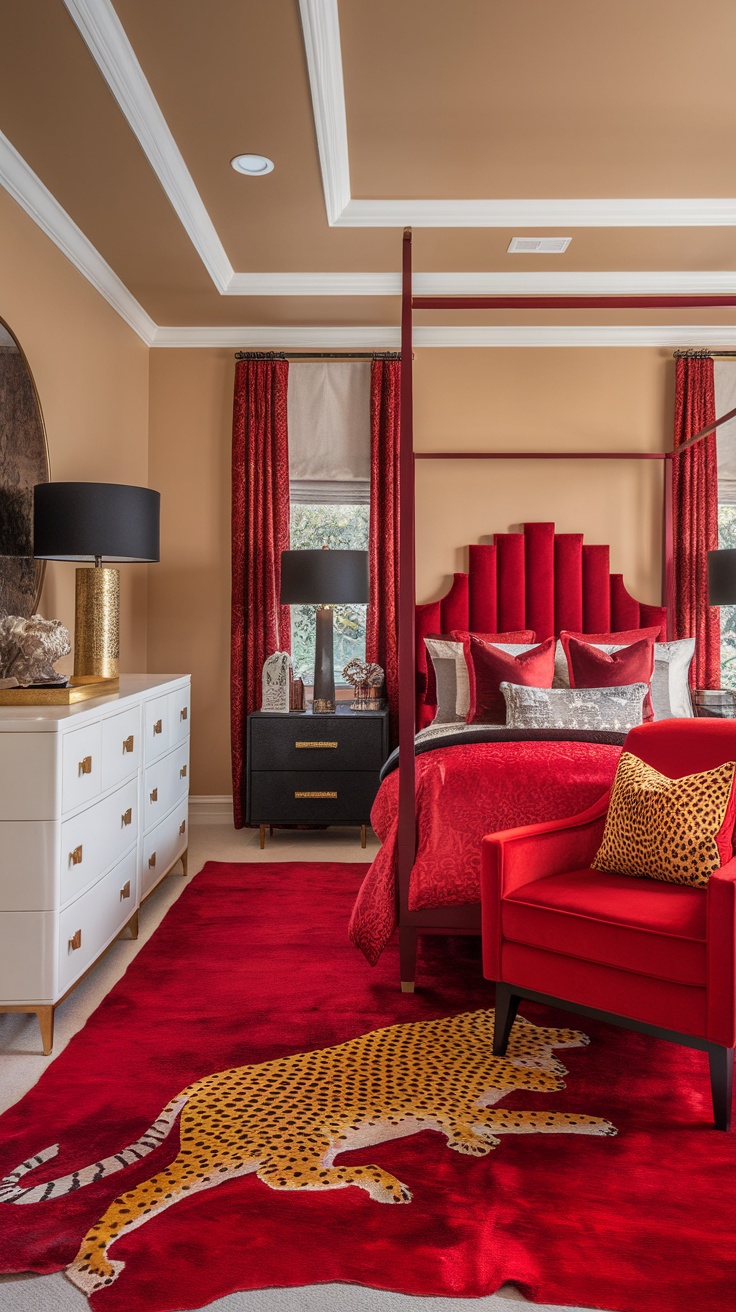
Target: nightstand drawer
x=316, y=797
x=321, y=743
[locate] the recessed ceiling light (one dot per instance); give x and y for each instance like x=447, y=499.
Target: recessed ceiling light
x=538, y=245
x=253, y=165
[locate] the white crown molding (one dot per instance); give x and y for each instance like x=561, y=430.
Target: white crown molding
x=315, y=284
x=26, y=188
x=613, y=213
x=545, y=283
x=105, y=38
x=440, y=335
x=321, y=30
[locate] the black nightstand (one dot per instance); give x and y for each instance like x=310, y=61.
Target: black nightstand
x=715, y=703
x=304, y=768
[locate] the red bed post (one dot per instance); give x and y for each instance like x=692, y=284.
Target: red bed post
x=407, y=831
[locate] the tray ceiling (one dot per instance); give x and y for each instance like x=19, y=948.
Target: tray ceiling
x=472, y=122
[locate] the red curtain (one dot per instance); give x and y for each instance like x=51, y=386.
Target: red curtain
x=695, y=518
x=260, y=532
x=382, y=634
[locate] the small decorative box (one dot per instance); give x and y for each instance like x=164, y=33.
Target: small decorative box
x=719, y=703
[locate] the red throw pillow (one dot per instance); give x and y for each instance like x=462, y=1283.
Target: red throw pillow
x=621, y=638
x=488, y=667
x=589, y=667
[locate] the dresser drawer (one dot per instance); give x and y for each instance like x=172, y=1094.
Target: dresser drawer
x=324, y=743
x=96, y=838
x=179, y=714
x=93, y=920
x=81, y=766
x=155, y=728
x=165, y=782
x=163, y=845
x=121, y=746
x=316, y=797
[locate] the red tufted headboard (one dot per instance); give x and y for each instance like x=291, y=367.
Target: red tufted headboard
x=536, y=579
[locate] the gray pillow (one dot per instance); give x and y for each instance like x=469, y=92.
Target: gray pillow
x=451, y=676
x=574, y=708
x=670, y=684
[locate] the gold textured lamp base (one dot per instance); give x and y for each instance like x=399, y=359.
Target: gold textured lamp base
x=97, y=624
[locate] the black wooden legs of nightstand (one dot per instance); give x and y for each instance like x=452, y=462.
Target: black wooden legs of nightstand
x=262, y=831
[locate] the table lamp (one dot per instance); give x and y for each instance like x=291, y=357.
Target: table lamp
x=325, y=579
x=722, y=577
x=96, y=522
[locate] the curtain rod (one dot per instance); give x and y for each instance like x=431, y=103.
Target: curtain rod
x=702, y=355
x=317, y=355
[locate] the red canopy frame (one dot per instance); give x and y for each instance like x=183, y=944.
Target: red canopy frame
x=466, y=919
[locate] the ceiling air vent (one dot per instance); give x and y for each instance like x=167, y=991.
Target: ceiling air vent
x=539, y=245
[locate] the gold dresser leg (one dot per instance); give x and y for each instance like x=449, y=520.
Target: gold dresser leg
x=46, y=1025
x=263, y=836
x=185, y=862
x=363, y=836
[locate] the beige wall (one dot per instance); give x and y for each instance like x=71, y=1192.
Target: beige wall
x=91, y=372
x=191, y=410
x=534, y=399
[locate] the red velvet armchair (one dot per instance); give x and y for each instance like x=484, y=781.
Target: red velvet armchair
x=648, y=955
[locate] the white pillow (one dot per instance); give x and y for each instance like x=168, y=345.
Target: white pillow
x=574, y=708
x=670, y=684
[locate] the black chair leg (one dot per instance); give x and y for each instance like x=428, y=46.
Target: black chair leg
x=721, y=1085
x=507, y=1005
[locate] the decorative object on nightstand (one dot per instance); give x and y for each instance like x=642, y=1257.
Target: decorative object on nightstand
x=325, y=579
x=28, y=649
x=275, y=682
x=715, y=703
x=304, y=770
x=367, y=680
x=96, y=522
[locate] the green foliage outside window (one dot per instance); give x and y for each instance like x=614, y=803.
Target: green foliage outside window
x=727, y=539
x=340, y=528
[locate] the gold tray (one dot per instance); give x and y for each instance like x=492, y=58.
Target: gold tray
x=78, y=690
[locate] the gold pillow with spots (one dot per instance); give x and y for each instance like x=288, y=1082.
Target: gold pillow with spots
x=677, y=830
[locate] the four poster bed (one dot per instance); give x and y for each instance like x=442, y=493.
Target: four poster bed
x=454, y=784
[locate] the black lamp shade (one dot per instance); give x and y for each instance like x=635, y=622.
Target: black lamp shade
x=722, y=578
x=82, y=521
x=324, y=578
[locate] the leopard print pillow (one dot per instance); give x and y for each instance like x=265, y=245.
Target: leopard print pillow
x=677, y=830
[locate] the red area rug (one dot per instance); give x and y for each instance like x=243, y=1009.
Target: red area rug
x=253, y=965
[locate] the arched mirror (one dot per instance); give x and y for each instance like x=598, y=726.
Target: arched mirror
x=24, y=461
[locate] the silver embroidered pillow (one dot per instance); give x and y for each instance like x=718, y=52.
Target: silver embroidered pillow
x=574, y=708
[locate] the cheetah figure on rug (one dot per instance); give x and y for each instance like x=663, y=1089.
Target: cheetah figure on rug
x=288, y=1120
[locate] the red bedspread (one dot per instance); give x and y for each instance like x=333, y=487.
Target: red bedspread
x=464, y=792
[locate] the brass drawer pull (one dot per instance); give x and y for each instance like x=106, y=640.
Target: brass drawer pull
x=158, y=727
x=76, y=940
x=183, y=827
x=85, y=766
x=75, y=857
x=154, y=795
x=152, y=862
x=315, y=744
x=127, y=817
x=315, y=794
x=183, y=772
x=128, y=744
x=184, y=713
x=125, y=891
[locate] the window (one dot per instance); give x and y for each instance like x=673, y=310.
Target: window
x=329, y=459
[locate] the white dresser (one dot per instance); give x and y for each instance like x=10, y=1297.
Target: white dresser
x=93, y=813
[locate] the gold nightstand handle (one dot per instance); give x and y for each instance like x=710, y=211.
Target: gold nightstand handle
x=76, y=940
x=75, y=857
x=85, y=766
x=158, y=727
x=183, y=772
x=154, y=795
x=127, y=817
x=183, y=827
x=184, y=713
x=152, y=862
x=128, y=744
x=125, y=891
x=315, y=794
x=315, y=744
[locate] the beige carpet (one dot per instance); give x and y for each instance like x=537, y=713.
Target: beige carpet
x=21, y=1065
